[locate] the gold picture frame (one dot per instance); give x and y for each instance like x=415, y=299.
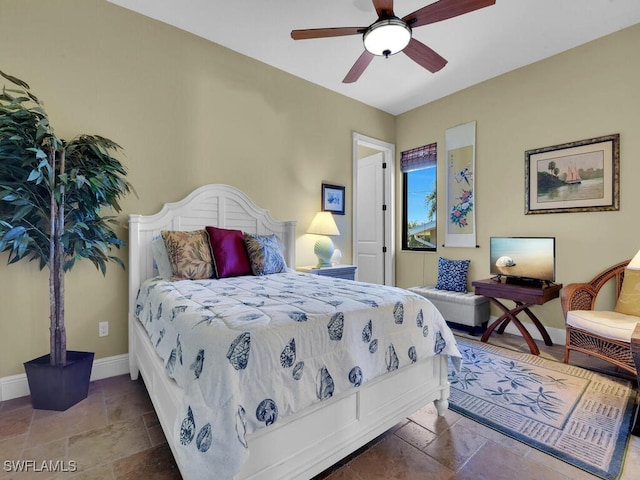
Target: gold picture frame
x=581, y=176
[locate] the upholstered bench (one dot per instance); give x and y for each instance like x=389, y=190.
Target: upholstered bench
x=462, y=308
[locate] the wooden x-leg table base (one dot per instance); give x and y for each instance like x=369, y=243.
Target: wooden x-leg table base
x=510, y=315
x=523, y=296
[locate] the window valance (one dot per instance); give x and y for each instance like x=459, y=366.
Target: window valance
x=420, y=157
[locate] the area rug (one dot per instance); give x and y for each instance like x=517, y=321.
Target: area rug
x=579, y=416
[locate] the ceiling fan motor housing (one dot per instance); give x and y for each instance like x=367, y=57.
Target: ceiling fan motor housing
x=387, y=36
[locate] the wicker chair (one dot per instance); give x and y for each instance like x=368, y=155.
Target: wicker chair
x=617, y=348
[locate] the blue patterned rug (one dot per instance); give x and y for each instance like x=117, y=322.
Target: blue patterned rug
x=577, y=415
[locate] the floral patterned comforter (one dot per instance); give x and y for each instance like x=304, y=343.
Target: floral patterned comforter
x=250, y=350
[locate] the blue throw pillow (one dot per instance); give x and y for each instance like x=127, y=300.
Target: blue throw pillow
x=452, y=275
x=265, y=255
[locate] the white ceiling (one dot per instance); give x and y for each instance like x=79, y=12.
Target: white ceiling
x=478, y=45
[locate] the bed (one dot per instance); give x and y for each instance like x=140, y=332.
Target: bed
x=303, y=441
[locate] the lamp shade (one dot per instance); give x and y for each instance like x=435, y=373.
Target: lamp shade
x=323, y=224
x=634, y=264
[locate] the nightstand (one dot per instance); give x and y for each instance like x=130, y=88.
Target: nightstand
x=348, y=272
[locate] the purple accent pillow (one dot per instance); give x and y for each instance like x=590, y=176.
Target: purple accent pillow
x=230, y=257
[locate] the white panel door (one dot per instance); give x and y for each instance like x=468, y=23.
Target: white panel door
x=370, y=220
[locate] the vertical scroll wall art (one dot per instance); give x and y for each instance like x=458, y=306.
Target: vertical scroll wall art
x=460, y=143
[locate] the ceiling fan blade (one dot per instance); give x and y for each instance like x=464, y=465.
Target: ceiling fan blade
x=363, y=62
x=424, y=56
x=325, y=32
x=444, y=9
x=384, y=8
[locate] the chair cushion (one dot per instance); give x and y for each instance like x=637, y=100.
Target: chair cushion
x=629, y=299
x=467, y=298
x=613, y=325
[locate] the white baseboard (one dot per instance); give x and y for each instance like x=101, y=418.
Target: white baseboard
x=16, y=386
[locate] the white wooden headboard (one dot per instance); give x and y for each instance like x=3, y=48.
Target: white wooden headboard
x=217, y=205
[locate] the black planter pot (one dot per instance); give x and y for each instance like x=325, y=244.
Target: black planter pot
x=58, y=388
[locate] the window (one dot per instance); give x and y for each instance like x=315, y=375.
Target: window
x=419, y=211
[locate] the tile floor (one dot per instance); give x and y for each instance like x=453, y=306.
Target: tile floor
x=114, y=434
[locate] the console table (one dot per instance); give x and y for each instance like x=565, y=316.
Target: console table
x=524, y=296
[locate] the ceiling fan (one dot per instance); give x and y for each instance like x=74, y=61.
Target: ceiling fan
x=389, y=34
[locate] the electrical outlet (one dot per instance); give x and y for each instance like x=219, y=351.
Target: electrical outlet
x=103, y=329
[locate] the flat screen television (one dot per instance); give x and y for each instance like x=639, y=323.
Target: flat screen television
x=523, y=260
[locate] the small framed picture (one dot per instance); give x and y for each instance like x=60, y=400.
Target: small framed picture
x=333, y=199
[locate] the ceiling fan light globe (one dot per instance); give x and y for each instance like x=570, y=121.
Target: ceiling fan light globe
x=387, y=37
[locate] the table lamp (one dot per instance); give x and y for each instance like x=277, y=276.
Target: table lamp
x=323, y=224
x=634, y=264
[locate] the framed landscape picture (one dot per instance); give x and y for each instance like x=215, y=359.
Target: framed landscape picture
x=582, y=176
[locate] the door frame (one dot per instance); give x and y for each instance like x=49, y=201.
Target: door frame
x=389, y=155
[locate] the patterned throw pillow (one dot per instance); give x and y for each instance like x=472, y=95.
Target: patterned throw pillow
x=265, y=254
x=629, y=299
x=230, y=257
x=189, y=254
x=452, y=275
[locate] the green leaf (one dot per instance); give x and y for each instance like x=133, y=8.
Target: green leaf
x=103, y=268
x=118, y=261
x=68, y=265
x=35, y=99
x=15, y=80
x=14, y=233
x=21, y=244
x=22, y=212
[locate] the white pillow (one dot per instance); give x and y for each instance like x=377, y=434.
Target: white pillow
x=161, y=257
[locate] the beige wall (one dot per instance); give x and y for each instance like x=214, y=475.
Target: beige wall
x=187, y=112
x=587, y=92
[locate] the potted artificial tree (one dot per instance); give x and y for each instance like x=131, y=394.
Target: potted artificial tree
x=52, y=196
